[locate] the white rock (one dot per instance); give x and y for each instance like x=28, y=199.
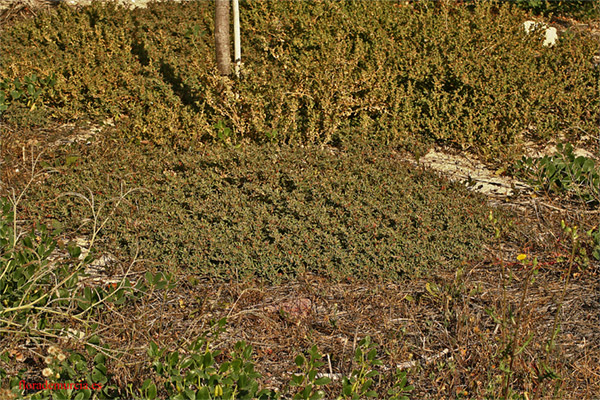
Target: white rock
x=529, y=26
x=550, y=32
x=551, y=37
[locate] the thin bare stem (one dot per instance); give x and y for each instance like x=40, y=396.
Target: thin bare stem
x=515, y=338
x=554, y=333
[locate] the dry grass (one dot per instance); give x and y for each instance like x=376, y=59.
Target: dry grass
x=455, y=343
x=11, y=10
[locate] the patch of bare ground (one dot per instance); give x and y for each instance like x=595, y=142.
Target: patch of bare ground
x=440, y=329
x=482, y=178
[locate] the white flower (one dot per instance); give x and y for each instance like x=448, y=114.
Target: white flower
x=46, y=372
x=76, y=334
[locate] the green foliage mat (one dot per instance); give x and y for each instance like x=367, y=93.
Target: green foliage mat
x=272, y=211
x=464, y=75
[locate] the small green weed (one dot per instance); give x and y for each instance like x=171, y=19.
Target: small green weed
x=401, y=389
x=307, y=381
x=594, y=235
x=196, y=375
x=27, y=92
x=360, y=382
x=564, y=173
x=223, y=132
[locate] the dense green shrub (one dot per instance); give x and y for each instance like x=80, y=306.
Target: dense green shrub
x=314, y=72
x=275, y=212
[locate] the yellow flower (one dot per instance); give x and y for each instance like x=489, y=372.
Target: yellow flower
x=521, y=257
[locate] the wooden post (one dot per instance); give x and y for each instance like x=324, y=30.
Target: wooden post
x=222, y=48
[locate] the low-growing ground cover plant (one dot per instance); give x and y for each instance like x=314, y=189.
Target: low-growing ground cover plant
x=276, y=212
x=272, y=175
